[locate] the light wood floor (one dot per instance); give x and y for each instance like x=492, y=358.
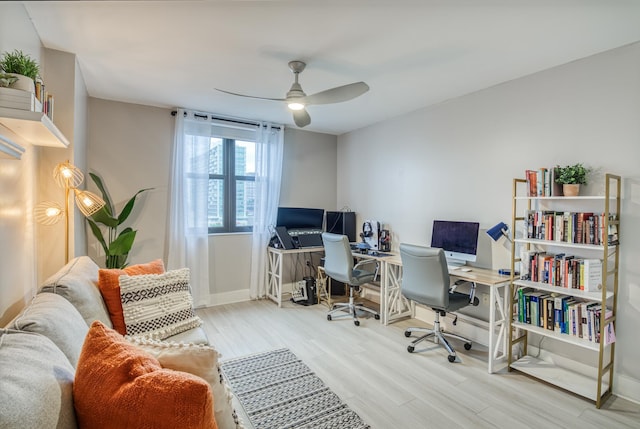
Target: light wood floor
x=369, y=368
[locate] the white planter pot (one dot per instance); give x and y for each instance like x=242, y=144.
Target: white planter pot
x=23, y=83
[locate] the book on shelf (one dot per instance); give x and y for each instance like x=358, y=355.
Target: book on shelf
x=565, y=315
x=568, y=227
x=592, y=275
x=561, y=270
x=610, y=334
x=612, y=233
x=541, y=182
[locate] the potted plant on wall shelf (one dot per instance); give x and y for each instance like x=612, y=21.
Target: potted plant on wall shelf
x=116, y=245
x=571, y=177
x=22, y=67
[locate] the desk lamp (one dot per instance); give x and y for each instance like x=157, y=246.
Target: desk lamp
x=497, y=233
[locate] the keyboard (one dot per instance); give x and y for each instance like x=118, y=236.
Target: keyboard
x=453, y=267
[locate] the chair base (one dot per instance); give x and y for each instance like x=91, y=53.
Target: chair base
x=439, y=338
x=350, y=308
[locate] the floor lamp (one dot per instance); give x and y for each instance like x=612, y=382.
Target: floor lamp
x=68, y=177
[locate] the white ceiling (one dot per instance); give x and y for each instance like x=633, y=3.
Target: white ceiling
x=412, y=53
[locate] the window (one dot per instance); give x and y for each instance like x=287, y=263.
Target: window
x=231, y=193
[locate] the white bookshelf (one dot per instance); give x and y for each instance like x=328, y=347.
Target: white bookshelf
x=596, y=383
x=564, y=378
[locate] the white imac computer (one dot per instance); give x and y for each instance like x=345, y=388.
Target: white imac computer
x=459, y=240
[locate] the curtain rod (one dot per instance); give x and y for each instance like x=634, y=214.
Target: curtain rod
x=236, y=121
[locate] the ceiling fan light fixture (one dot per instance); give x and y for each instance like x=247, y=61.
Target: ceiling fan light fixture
x=294, y=105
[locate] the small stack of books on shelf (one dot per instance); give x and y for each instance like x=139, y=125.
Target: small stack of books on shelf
x=18, y=99
x=564, y=315
x=561, y=270
x=45, y=98
x=542, y=183
x=570, y=227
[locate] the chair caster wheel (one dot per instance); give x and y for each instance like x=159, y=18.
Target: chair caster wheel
x=407, y=334
x=452, y=358
x=356, y=322
x=467, y=346
x=376, y=316
x=328, y=317
x=410, y=349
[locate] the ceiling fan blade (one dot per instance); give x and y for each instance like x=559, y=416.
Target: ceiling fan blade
x=301, y=118
x=249, y=96
x=337, y=94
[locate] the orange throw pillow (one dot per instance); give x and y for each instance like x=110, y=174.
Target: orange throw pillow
x=109, y=285
x=117, y=385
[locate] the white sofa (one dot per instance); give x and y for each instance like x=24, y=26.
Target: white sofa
x=40, y=348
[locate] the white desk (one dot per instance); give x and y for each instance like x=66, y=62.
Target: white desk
x=393, y=305
x=275, y=258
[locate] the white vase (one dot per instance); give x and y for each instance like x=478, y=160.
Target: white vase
x=23, y=83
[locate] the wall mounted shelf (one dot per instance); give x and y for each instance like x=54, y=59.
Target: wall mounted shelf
x=9, y=149
x=34, y=127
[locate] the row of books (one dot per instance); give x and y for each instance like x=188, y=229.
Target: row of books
x=562, y=270
x=564, y=315
x=542, y=183
x=45, y=98
x=571, y=227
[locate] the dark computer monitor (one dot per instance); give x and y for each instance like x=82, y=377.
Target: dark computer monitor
x=459, y=240
x=300, y=218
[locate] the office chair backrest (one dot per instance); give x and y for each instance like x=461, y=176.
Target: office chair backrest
x=338, y=260
x=425, y=276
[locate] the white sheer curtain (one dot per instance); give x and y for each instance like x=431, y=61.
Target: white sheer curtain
x=188, y=238
x=188, y=227
x=269, y=152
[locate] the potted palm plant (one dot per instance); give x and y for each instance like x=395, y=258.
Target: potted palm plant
x=116, y=244
x=571, y=177
x=21, y=66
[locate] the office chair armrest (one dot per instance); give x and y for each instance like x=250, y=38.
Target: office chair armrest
x=473, y=299
x=364, y=262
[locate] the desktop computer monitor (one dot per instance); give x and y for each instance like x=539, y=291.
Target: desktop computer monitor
x=459, y=240
x=300, y=218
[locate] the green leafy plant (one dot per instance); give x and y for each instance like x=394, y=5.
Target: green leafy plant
x=116, y=245
x=19, y=63
x=572, y=174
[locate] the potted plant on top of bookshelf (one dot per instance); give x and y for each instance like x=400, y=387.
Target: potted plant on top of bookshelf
x=21, y=66
x=571, y=177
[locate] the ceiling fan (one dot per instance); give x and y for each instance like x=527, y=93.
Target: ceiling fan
x=297, y=100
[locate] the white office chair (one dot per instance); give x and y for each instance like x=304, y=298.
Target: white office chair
x=338, y=264
x=425, y=280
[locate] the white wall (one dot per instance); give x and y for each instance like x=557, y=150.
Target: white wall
x=129, y=147
x=63, y=79
x=17, y=185
x=309, y=170
x=456, y=160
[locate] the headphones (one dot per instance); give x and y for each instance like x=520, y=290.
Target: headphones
x=367, y=229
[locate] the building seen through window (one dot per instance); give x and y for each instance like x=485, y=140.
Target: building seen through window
x=231, y=193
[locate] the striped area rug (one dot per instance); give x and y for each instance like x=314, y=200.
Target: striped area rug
x=278, y=391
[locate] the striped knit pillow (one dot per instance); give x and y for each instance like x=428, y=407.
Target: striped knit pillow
x=157, y=305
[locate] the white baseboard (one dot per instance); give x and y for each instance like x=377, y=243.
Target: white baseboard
x=230, y=297
x=626, y=387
